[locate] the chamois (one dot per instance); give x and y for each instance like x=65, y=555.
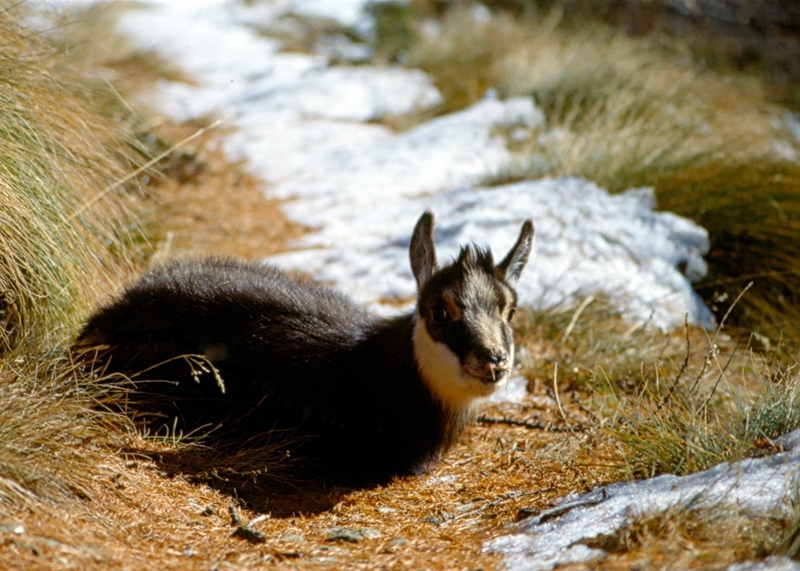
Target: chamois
x=363, y=397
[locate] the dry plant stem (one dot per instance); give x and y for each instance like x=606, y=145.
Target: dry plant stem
x=538, y=425
x=719, y=377
x=728, y=312
x=558, y=397
x=147, y=165
x=572, y=322
x=712, y=346
x=711, y=353
x=674, y=385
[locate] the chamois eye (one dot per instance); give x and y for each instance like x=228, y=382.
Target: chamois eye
x=439, y=314
x=511, y=313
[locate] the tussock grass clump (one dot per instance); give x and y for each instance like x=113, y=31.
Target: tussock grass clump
x=66, y=229
x=50, y=429
x=68, y=237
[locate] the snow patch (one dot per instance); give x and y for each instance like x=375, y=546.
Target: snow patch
x=311, y=129
x=762, y=487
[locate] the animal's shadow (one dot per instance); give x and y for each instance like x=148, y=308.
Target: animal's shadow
x=263, y=479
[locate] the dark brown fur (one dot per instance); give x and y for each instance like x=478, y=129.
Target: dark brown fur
x=294, y=357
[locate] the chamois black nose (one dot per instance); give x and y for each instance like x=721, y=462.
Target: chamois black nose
x=493, y=359
x=489, y=366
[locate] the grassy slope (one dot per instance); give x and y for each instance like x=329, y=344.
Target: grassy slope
x=628, y=112
x=79, y=489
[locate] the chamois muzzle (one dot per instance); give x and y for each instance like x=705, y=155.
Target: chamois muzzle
x=488, y=366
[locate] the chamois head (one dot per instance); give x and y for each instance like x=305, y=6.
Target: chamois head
x=463, y=343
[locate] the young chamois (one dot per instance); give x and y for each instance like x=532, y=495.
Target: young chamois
x=363, y=397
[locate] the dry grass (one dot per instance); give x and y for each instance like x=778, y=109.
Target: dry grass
x=686, y=538
x=721, y=402
x=59, y=155
x=79, y=489
x=47, y=427
x=676, y=402
x=626, y=112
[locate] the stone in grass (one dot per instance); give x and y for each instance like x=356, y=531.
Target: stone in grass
x=351, y=535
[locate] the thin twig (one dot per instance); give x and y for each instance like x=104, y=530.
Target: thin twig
x=558, y=398
x=572, y=322
x=496, y=502
x=674, y=386
x=538, y=425
x=144, y=167
x=719, y=378
x=712, y=350
x=727, y=313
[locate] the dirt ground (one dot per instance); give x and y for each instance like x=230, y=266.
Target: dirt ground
x=158, y=504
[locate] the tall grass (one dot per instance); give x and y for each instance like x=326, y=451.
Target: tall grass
x=62, y=148
x=68, y=237
x=629, y=112
x=722, y=406
x=49, y=433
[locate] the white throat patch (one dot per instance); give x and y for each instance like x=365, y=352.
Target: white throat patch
x=443, y=374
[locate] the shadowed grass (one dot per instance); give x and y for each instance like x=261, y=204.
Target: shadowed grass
x=50, y=429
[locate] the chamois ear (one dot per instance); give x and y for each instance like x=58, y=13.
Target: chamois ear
x=511, y=266
x=422, y=251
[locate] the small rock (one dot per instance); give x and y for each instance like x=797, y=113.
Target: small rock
x=370, y=533
x=344, y=534
x=249, y=534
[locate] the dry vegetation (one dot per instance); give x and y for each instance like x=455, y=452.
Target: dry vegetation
x=81, y=489
x=627, y=112
x=66, y=208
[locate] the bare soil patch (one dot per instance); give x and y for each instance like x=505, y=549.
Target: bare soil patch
x=142, y=512
x=204, y=205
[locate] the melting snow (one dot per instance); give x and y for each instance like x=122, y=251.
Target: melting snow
x=763, y=487
x=310, y=130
